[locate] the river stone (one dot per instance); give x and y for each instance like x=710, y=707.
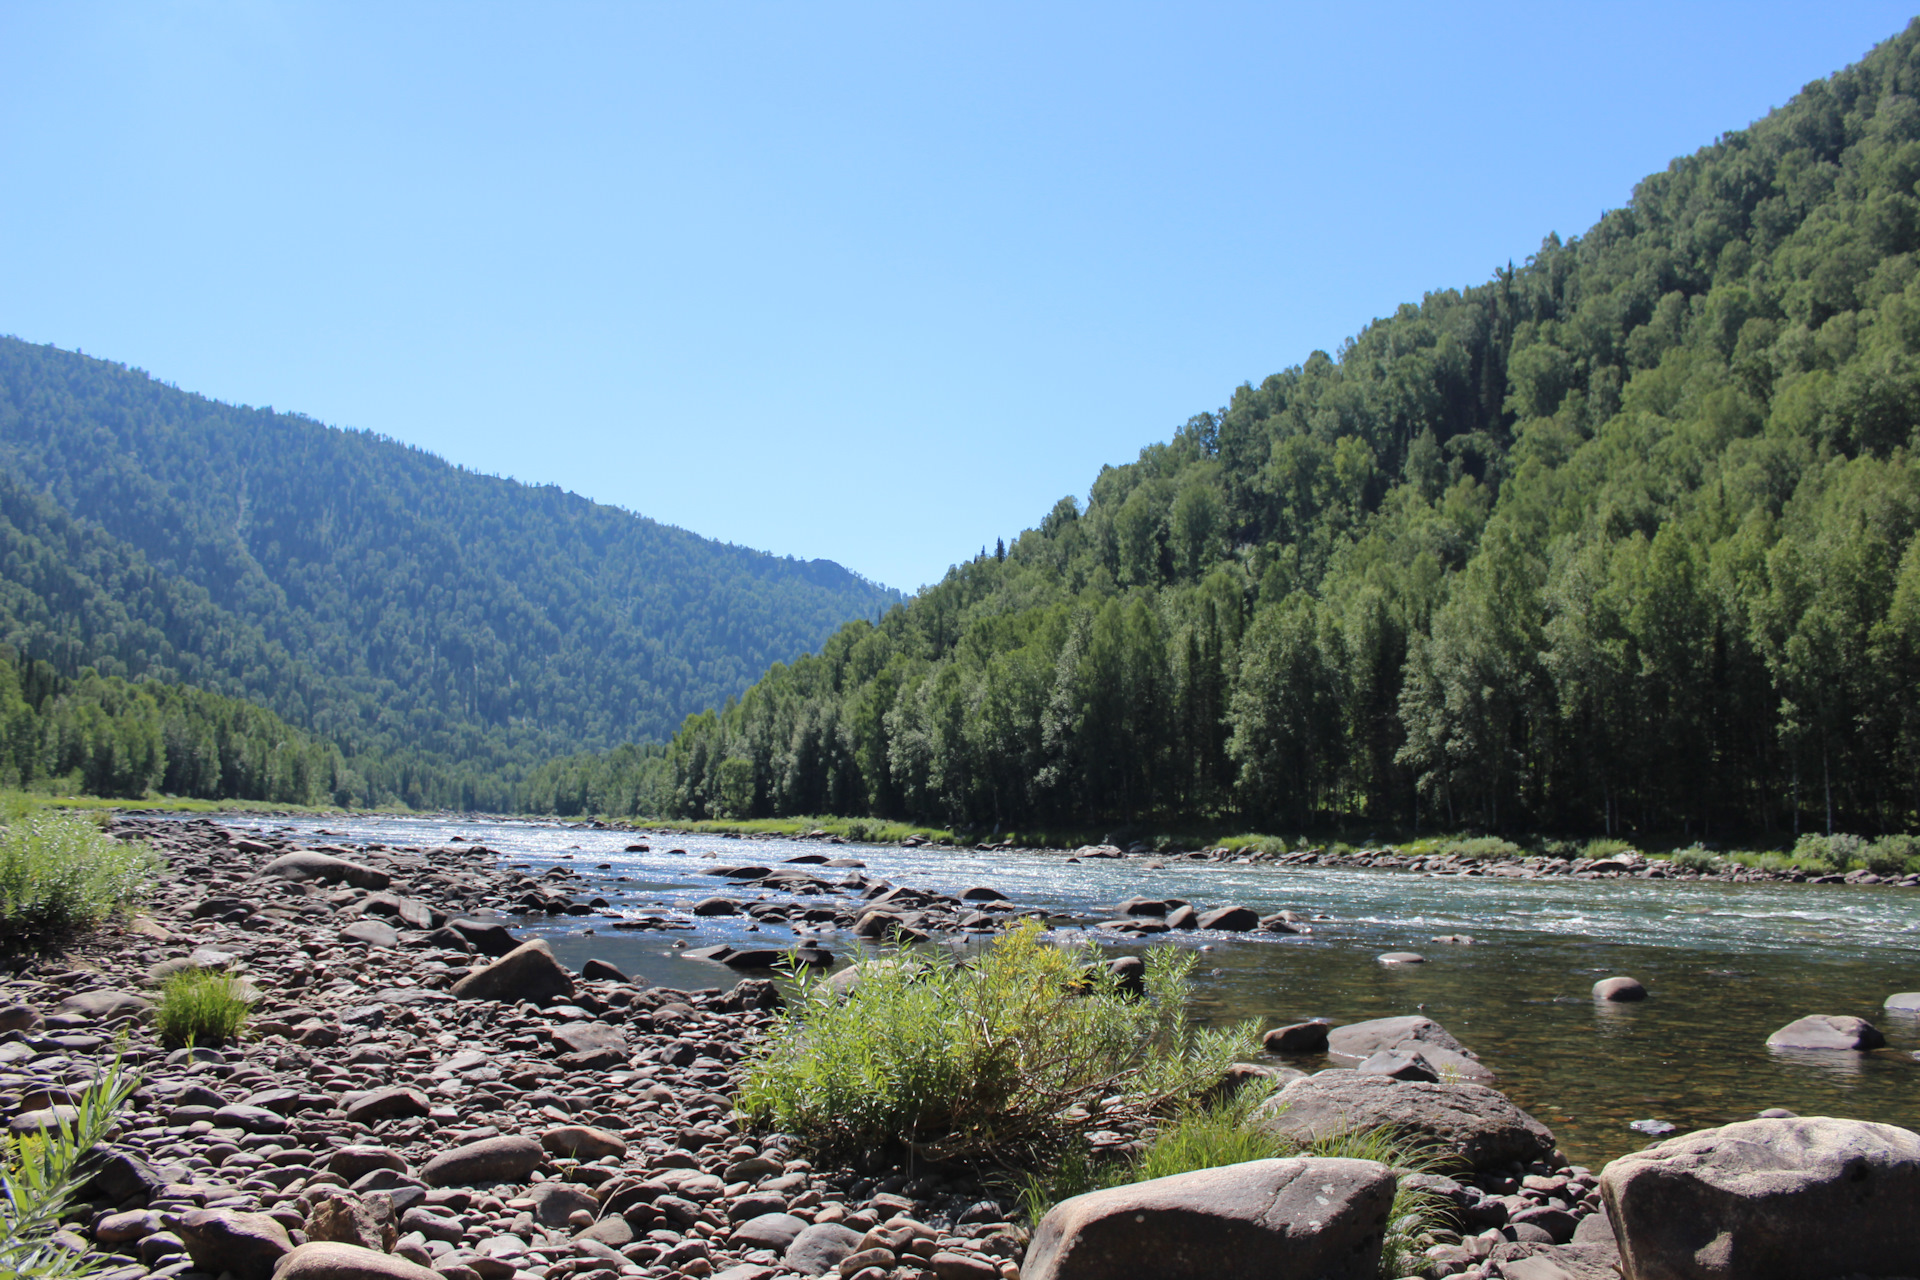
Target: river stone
x=1314, y=1218
x=1619, y=990
x=1358, y=1041
x=1400, y=1064
x=305, y=864
x=528, y=972
x=323, y=1260
x=1400, y=957
x=583, y=1142
x=1231, y=919
x=387, y=1104
x=768, y=1231
x=372, y=933
x=820, y=1248
x=1904, y=1002
x=1827, y=1031
x=555, y=1202
x=344, y=1218
x=982, y=893
x=503, y=1159
x=1769, y=1200
x=247, y=1244
x=1476, y=1123
x=105, y=1004
x=589, y=1037
x=601, y=971
x=354, y=1161
x=488, y=937
x=1297, y=1037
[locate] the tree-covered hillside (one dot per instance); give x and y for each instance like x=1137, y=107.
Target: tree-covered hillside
x=446, y=629
x=1623, y=539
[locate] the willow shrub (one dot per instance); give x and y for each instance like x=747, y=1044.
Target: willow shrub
x=60, y=876
x=1003, y=1059
x=41, y=1175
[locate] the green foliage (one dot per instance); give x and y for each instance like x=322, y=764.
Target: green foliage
x=1626, y=538
x=1837, y=852
x=1482, y=848
x=201, y=1007
x=1694, y=859
x=1893, y=855
x=59, y=876
x=1001, y=1059
x=1605, y=848
x=40, y=1174
x=448, y=630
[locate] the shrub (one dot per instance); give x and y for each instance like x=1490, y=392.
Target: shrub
x=40, y=1174
x=1893, y=855
x=1605, y=847
x=201, y=1006
x=1482, y=847
x=1694, y=858
x=1004, y=1058
x=60, y=876
x=1836, y=851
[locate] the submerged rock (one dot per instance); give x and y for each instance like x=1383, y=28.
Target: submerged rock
x=1827, y=1031
x=1619, y=990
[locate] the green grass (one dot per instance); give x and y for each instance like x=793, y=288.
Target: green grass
x=40, y=1174
x=861, y=830
x=201, y=1007
x=61, y=876
x=1002, y=1061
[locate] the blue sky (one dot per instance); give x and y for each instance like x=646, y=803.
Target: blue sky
x=870, y=282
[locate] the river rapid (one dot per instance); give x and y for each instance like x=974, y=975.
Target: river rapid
x=1724, y=964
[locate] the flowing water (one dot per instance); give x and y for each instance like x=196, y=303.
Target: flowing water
x=1724, y=964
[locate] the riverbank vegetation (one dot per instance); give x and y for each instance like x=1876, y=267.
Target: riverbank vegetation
x=1625, y=541
x=41, y=1174
x=60, y=876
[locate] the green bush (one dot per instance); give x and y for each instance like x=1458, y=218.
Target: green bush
x=1605, y=847
x=1476, y=848
x=201, y=1006
x=1002, y=1059
x=60, y=876
x=40, y=1175
x=1694, y=858
x=1837, y=851
x=1893, y=855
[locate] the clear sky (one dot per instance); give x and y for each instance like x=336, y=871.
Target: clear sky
x=870, y=282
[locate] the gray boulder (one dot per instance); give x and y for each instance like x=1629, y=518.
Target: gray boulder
x=1357, y=1041
x=305, y=864
x=528, y=972
x=503, y=1159
x=1619, y=990
x=774, y=1231
x=372, y=933
x=1297, y=1037
x=819, y=1248
x=1903, y=1002
x=247, y=1244
x=1827, y=1031
x=1231, y=919
x=1312, y=1217
x=1769, y=1200
x=555, y=1202
x=1476, y=1123
x=331, y=1261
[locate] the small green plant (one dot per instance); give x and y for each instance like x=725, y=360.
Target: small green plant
x=41, y=1173
x=201, y=1007
x=1003, y=1059
x=60, y=876
x=1415, y=1213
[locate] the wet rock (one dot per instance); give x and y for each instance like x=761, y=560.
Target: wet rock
x=1476, y=1123
x=334, y=1261
x=1292, y=1219
x=528, y=972
x=716, y=907
x=583, y=1142
x=488, y=937
x=247, y=1244
x=1619, y=990
x=1827, y=1031
x=755, y=958
x=981, y=893
x=601, y=971
x=1769, y=1200
x=1231, y=919
x=1400, y=958
x=1183, y=917
x=1298, y=1037
x=502, y=1159
x=305, y=864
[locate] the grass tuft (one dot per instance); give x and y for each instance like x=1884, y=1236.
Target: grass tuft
x=61, y=876
x=201, y=1007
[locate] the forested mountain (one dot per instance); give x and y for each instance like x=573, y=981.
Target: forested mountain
x=446, y=629
x=1622, y=539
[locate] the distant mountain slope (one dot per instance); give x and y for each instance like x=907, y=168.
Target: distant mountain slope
x=366, y=589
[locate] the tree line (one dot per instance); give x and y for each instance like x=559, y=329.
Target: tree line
x=1624, y=539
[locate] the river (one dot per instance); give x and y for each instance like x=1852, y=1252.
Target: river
x=1724, y=964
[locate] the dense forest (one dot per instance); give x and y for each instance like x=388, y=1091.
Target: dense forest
x=106, y=736
x=1623, y=539
x=447, y=630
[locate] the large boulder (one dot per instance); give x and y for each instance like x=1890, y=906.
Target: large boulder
x=1827, y=1031
x=330, y=1261
x=503, y=1159
x=819, y=1248
x=528, y=972
x=1769, y=1200
x=1472, y=1121
x=305, y=864
x=247, y=1244
x=1357, y=1041
x=1312, y=1218
x=1903, y=1002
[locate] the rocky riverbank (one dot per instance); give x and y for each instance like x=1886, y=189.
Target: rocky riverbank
x=422, y=1084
